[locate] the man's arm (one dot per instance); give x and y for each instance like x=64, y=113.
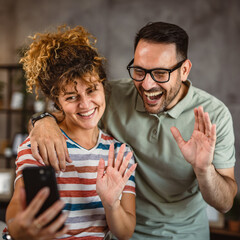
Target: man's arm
x=218, y=186
x=48, y=143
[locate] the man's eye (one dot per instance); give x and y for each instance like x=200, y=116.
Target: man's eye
x=159, y=72
x=139, y=72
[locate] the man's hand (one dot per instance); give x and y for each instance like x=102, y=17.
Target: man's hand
x=199, y=149
x=111, y=183
x=48, y=144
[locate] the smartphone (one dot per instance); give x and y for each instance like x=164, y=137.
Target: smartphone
x=35, y=178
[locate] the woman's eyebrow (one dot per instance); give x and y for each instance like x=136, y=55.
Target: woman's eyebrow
x=69, y=93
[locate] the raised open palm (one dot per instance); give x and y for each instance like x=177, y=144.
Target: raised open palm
x=110, y=183
x=199, y=149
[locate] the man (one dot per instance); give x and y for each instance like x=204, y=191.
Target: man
x=173, y=178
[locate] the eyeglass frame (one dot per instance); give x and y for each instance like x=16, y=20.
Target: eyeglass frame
x=178, y=65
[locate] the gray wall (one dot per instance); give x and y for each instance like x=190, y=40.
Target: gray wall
x=213, y=27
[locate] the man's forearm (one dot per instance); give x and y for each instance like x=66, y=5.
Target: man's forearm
x=57, y=116
x=217, y=190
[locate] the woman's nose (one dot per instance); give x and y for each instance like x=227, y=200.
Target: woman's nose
x=84, y=102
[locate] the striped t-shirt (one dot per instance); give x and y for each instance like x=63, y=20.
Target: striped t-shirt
x=77, y=185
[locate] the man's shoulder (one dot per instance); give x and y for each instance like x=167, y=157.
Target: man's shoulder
x=204, y=96
x=210, y=103
x=121, y=91
x=122, y=84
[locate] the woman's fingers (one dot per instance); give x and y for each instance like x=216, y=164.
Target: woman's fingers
x=56, y=226
x=120, y=155
x=37, y=202
x=101, y=169
x=111, y=155
x=124, y=163
x=46, y=217
x=129, y=172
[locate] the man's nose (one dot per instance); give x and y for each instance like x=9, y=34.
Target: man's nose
x=148, y=82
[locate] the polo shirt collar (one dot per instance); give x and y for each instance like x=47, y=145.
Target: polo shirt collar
x=177, y=109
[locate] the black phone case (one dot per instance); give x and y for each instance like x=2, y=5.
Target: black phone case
x=35, y=178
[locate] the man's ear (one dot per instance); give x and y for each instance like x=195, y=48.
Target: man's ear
x=185, y=70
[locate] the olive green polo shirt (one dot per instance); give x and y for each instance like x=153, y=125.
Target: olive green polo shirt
x=169, y=204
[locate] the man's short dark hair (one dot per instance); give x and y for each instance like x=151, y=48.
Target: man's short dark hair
x=161, y=32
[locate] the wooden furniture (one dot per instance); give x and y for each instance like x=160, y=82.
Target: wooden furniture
x=223, y=234
x=13, y=120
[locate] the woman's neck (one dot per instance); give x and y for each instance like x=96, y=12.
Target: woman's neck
x=86, y=138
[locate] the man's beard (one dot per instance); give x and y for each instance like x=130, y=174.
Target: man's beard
x=167, y=99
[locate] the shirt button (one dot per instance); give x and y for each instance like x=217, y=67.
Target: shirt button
x=155, y=131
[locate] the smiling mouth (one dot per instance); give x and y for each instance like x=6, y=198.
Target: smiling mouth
x=153, y=96
x=87, y=114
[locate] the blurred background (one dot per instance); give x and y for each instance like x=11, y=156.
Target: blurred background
x=213, y=27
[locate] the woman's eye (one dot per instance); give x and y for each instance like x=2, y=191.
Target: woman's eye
x=91, y=90
x=71, y=98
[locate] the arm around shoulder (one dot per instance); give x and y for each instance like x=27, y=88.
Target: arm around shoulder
x=48, y=143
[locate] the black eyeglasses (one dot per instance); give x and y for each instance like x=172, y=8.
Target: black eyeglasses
x=160, y=75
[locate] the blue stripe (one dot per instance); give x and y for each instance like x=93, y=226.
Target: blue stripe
x=106, y=146
x=82, y=206
x=132, y=178
x=103, y=146
x=117, y=144
x=70, y=145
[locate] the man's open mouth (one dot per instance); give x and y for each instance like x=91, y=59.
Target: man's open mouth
x=152, y=96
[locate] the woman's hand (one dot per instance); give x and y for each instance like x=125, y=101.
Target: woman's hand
x=48, y=144
x=199, y=149
x=110, y=183
x=25, y=226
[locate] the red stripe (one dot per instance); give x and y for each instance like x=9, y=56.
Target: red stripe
x=84, y=169
x=129, y=188
x=89, y=229
x=76, y=181
x=71, y=193
x=23, y=152
x=105, y=137
x=84, y=238
x=28, y=161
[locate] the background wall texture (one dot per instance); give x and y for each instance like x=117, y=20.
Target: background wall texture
x=213, y=27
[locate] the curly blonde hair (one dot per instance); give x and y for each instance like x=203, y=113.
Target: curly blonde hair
x=55, y=58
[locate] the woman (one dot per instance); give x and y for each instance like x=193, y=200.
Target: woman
x=68, y=70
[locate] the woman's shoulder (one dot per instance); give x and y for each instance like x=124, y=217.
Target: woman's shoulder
x=107, y=138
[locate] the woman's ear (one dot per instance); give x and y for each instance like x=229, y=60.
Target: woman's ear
x=185, y=70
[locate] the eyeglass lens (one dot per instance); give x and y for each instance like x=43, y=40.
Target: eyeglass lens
x=139, y=74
